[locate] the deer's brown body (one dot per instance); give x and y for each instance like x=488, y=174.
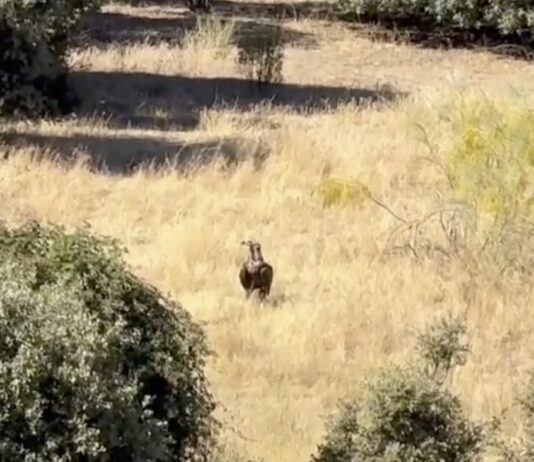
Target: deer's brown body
x=256, y=273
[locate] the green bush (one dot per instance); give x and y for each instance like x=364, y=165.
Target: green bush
x=34, y=37
x=261, y=57
x=95, y=365
x=405, y=414
x=485, y=147
x=504, y=16
x=443, y=346
x=490, y=161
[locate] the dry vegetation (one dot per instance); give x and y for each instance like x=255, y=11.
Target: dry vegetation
x=337, y=310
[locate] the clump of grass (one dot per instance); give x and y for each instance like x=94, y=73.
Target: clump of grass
x=345, y=192
x=211, y=33
x=261, y=57
x=341, y=192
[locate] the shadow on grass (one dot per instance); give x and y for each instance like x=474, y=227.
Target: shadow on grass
x=146, y=100
x=257, y=9
x=425, y=33
x=123, y=96
x=104, y=28
x=299, y=10
x=123, y=155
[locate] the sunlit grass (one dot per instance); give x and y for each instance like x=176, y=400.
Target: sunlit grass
x=338, y=309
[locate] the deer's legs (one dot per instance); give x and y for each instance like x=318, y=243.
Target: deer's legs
x=264, y=291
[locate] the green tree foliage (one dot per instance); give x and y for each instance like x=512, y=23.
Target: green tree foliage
x=95, y=365
x=405, y=413
x=505, y=16
x=34, y=37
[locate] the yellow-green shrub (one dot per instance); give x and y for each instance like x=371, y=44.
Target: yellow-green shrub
x=341, y=192
x=485, y=146
x=490, y=161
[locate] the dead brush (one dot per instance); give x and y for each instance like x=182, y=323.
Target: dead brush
x=455, y=232
x=443, y=234
x=440, y=232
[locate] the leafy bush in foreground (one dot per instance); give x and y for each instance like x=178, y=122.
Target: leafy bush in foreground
x=95, y=365
x=406, y=415
x=34, y=37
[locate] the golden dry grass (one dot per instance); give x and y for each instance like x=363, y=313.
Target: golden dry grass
x=337, y=311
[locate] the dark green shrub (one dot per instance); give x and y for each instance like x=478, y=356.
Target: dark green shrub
x=443, y=346
x=261, y=57
x=342, y=442
x=405, y=415
x=504, y=16
x=95, y=365
x=54, y=22
x=33, y=81
x=383, y=8
x=34, y=37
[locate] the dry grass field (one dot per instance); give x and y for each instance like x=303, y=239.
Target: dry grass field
x=246, y=168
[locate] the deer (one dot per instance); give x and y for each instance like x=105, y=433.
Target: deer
x=256, y=273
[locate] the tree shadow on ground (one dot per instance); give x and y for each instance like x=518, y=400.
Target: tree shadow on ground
x=123, y=155
x=104, y=28
x=278, y=10
x=146, y=100
x=425, y=33
x=299, y=10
